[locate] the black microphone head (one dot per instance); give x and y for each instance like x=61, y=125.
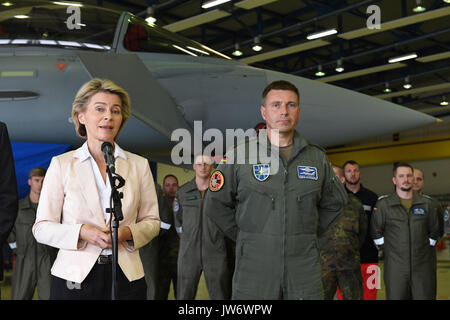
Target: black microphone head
x=107, y=147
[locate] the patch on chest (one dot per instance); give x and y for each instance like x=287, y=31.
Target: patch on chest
x=216, y=181
x=261, y=171
x=419, y=211
x=306, y=172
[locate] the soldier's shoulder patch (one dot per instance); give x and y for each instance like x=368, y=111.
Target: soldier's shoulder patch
x=216, y=181
x=446, y=215
x=176, y=205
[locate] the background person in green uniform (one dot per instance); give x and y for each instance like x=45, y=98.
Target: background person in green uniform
x=406, y=224
x=150, y=252
x=276, y=217
x=33, y=260
x=202, y=245
x=169, y=243
x=339, y=250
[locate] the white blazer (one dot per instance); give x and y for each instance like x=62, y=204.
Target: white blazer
x=69, y=199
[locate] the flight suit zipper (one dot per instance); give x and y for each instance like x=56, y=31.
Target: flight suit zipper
x=283, y=278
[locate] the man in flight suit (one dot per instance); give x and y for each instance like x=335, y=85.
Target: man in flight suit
x=339, y=250
x=33, y=260
x=275, y=216
x=149, y=253
x=202, y=244
x=169, y=243
x=406, y=224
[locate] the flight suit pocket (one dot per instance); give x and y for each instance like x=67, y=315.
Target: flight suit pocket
x=255, y=211
x=307, y=210
x=191, y=218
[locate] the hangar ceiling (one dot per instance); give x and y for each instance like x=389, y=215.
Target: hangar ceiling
x=281, y=26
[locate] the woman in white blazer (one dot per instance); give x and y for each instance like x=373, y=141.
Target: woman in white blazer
x=72, y=214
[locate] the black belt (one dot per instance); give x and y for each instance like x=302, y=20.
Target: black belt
x=104, y=259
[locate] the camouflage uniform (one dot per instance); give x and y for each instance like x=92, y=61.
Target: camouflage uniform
x=339, y=252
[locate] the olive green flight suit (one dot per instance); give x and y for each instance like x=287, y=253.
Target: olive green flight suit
x=339, y=252
x=409, y=267
x=276, y=221
x=149, y=252
x=33, y=260
x=203, y=247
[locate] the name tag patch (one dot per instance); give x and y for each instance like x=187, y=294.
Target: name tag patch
x=419, y=211
x=305, y=172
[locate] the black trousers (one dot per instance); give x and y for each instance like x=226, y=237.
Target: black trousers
x=98, y=286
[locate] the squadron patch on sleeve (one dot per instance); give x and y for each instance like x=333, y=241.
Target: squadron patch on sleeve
x=216, y=181
x=446, y=215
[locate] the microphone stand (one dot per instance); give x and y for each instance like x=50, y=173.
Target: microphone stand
x=116, y=210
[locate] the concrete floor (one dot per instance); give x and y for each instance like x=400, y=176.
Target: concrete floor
x=443, y=285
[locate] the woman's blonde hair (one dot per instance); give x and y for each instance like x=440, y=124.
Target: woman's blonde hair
x=86, y=92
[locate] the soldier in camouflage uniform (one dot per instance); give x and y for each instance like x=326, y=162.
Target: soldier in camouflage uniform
x=339, y=250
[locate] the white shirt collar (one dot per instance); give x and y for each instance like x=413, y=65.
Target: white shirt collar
x=83, y=152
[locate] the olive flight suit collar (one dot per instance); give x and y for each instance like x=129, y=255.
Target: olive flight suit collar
x=416, y=200
x=299, y=143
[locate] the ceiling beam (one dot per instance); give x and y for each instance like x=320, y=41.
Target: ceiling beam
x=398, y=23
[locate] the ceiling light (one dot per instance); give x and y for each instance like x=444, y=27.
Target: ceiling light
x=7, y=4
x=447, y=1
x=236, y=52
x=256, y=47
x=407, y=85
x=386, y=88
x=444, y=102
x=419, y=8
x=319, y=72
x=61, y=3
x=184, y=50
x=21, y=16
x=339, y=67
x=150, y=18
x=402, y=58
x=321, y=34
x=213, y=3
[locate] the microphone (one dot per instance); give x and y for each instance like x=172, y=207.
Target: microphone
x=108, y=152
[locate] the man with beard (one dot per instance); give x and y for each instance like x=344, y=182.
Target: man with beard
x=406, y=224
x=368, y=251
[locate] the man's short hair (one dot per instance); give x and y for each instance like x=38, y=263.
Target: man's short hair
x=168, y=176
x=401, y=164
x=279, y=85
x=352, y=162
x=37, y=172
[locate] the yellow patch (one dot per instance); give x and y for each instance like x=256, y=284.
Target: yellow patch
x=216, y=181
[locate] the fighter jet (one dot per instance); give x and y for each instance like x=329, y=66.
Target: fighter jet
x=49, y=49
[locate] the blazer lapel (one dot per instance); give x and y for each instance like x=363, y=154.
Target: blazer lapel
x=88, y=187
